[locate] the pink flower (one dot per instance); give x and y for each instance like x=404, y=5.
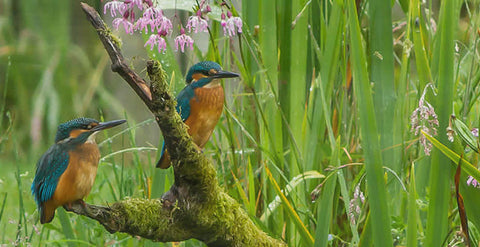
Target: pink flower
x=472, y=182
x=154, y=18
x=152, y=13
x=148, y=17
x=424, y=118
x=230, y=24
x=149, y=3
x=152, y=41
x=156, y=39
x=162, y=45
x=182, y=40
x=141, y=24
x=115, y=6
x=207, y=9
x=138, y=3
x=126, y=24
x=197, y=23
x=475, y=132
x=163, y=25
x=355, y=204
x=223, y=21
x=204, y=7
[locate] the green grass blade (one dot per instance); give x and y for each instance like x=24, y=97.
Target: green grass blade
x=419, y=45
x=412, y=211
x=4, y=98
x=268, y=41
x=441, y=170
x=301, y=228
x=325, y=212
x=3, y=205
x=466, y=166
x=465, y=133
x=66, y=226
x=346, y=200
x=298, y=75
x=241, y=192
x=251, y=189
x=377, y=196
x=366, y=237
x=284, y=17
x=381, y=73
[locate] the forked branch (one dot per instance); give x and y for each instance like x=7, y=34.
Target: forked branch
x=195, y=206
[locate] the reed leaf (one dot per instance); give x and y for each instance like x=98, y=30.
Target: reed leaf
x=441, y=169
x=454, y=157
x=377, y=196
x=412, y=211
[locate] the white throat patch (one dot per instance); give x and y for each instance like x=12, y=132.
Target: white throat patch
x=91, y=138
x=213, y=83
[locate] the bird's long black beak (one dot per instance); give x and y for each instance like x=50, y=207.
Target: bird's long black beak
x=107, y=125
x=225, y=74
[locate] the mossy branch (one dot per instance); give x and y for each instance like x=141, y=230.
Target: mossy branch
x=195, y=206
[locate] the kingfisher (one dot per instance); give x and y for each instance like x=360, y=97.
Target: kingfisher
x=200, y=104
x=66, y=171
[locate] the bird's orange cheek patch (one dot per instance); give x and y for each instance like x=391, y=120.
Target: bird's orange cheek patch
x=75, y=133
x=198, y=76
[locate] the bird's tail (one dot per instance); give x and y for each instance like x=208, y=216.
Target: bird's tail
x=47, y=213
x=164, y=161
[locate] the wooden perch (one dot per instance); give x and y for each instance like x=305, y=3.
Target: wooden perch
x=195, y=206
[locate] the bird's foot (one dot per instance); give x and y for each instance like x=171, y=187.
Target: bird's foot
x=81, y=202
x=68, y=206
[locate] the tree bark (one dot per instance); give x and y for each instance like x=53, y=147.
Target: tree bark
x=195, y=206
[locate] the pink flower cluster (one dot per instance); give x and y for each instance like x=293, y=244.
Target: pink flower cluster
x=424, y=119
x=153, y=20
x=355, y=204
x=473, y=182
x=230, y=24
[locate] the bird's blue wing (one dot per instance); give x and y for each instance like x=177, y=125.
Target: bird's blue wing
x=50, y=167
x=163, y=149
x=183, y=108
x=183, y=102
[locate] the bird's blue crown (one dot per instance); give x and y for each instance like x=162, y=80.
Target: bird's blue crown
x=64, y=129
x=202, y=67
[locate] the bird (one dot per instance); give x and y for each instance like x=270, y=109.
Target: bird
x=66, y=171
x=200, y=104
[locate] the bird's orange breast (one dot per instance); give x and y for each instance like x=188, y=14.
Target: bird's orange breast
x=77, y=180
x=205, y=111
